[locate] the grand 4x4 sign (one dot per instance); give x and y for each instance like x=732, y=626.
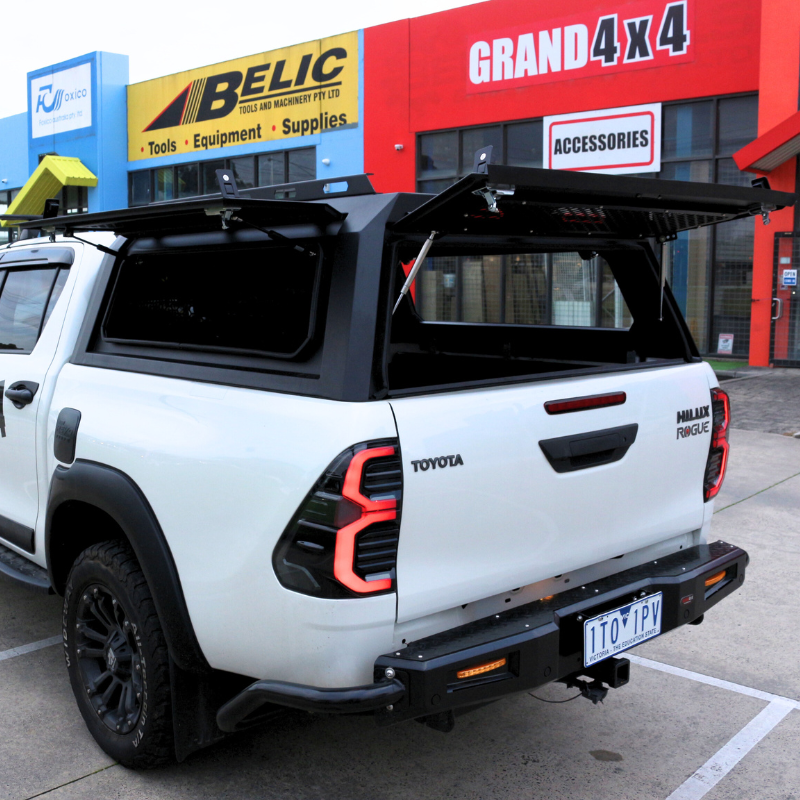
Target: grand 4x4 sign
x=652, y=33
x=299, y=90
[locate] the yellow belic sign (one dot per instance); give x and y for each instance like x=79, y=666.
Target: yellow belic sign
x=296, y=91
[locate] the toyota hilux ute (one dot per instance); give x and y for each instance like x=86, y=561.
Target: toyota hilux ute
x=264, y=474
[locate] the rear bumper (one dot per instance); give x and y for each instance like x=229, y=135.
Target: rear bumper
x=541, y=642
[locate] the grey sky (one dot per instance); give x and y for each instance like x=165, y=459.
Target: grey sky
x=164, y=36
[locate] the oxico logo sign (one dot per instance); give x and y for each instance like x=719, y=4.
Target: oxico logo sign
x=61, y=101
x=295, y=91
x=611, y=141
x=631, y=36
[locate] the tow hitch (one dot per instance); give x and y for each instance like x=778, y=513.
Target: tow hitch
x=609, y=674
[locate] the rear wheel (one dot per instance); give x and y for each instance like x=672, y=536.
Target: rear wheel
x=117, y=656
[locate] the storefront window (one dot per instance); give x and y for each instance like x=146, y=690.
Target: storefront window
x=209, y=172
x=188, y=180
x=271, y=169
x=164, y=186
x=524, y=144
x=244, y=171
x=474, y=139
x=738, y=123
x=139, y=186
x=191, y=180
x=688, y=130
x=302, y=165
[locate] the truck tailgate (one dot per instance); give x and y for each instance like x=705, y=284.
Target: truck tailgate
x=484, y=511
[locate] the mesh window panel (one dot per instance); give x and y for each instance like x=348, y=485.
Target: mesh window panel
x=481, y=282
x=614, y=312
x=574, y=290
x=733, y=280
x=689, y=257
x=440, y=289
x=526, y=289
x=729, y=173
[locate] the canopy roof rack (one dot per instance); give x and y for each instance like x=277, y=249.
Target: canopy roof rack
x=522, y=201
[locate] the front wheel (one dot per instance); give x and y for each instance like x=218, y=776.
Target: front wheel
x=117, y=656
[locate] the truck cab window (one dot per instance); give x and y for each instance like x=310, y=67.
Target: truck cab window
x=24, y=298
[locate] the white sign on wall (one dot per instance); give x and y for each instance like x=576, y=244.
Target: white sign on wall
x=612, y=140
x=61, y=101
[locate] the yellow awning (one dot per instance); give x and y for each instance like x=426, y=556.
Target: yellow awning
x=50, y=177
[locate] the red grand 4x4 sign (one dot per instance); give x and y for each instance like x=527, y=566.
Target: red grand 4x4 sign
x=630, y=36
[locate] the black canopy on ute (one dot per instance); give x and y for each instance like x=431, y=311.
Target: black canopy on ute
x=521, y=201
x=194, y=216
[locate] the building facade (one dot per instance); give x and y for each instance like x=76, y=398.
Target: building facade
x=668, y=89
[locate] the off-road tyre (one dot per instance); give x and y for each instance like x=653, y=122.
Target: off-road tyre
x=117, y=657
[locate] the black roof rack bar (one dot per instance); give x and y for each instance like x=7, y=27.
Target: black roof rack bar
x=320, y=189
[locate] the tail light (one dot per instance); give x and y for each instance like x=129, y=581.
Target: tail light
x=718, y=454
x=342, y=541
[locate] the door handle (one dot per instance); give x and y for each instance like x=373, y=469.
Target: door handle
x=22, y=393
x=780, y=307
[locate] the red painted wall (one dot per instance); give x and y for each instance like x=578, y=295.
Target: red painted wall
x=777, y=100
x=416, y=73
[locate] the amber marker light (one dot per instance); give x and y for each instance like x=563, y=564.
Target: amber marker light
x=714, y=579
x=473, y=671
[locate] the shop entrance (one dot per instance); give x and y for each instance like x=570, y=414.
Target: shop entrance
x=785, y=338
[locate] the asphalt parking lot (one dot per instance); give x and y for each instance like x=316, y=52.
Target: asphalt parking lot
x=711, y=711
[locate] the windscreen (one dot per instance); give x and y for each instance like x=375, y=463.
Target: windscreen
x=257, y=300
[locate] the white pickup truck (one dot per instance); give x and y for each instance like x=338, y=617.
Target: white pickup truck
x=259, y=481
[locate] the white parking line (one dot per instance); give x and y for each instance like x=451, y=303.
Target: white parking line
x=724, y=760
x=707, y=679
x=29, y=648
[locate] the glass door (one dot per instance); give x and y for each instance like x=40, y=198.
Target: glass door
x=785, y=339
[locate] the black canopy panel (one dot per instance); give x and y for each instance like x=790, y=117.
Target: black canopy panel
x=195, y=216
x=520, y=201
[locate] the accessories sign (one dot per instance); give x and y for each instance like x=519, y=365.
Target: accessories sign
x=653, y=33
x=611, y=141
x=296, y=91
x=61, y=101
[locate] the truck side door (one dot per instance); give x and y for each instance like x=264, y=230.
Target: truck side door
x=29, y=290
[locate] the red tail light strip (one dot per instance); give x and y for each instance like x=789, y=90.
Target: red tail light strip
x=352, y=480
x=719, y=440
x=371, y=511
x=584, y=403
x=345, y=554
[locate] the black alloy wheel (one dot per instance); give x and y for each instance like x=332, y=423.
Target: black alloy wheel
x=109, y=660
x=117, y=656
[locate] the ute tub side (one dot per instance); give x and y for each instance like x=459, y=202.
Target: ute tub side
x=224, y=469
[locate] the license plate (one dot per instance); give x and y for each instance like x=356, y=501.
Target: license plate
x=622, y=628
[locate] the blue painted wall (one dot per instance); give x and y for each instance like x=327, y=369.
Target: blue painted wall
x=102, y=146
x=14, y=151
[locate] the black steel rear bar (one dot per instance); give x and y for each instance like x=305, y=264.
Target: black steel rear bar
x=541, y=642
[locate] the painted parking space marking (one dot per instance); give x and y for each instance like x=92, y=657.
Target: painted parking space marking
x=707, y=679
x=29, y=648
x=725, y=759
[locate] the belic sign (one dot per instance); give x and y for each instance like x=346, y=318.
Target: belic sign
x=632, y=36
